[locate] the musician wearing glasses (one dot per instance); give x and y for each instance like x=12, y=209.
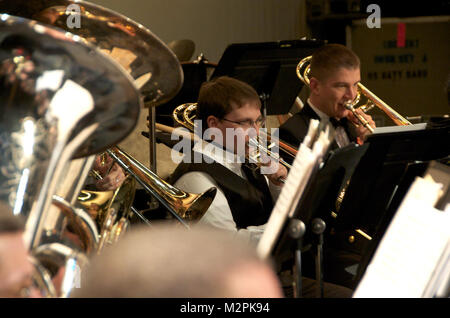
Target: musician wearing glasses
x=245, y=198
x=334, y=76
x=245, y=195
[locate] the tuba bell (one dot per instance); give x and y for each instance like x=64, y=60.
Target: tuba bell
x=42, y=125
x=114, y=65
x=154, y=68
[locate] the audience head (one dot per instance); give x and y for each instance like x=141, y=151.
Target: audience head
x=16, y=270
x=172, y=262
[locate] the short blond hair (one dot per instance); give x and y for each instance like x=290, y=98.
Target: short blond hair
x=331, y=57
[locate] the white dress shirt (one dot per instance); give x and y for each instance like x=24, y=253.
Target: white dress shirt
x=341, y=136
x=219, y=213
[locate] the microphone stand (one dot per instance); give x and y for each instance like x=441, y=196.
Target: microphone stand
x=318, y=227
x=296, y=230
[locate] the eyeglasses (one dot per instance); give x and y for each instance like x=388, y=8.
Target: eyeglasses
x=248, y=122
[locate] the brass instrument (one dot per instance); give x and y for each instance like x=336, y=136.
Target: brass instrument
x=186, y=206
x=42, y=125
x=303, y=73
x=288, y=149
x=184, y=115
x=111, y=210
x=182, y=205
x=56, y=256
x=154, y=68
x=80, y=223
x=42, y=279
x=104, y=112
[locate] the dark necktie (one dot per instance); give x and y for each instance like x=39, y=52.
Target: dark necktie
x=336, y=123
x=341, y=136
x=255, y=178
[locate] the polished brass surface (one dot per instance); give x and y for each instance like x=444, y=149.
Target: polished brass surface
x=184, y=115
x=153, y=66
x=111, y=210
x=303, y=70
x=364, y=234
x=64, y=261
x=303, y=73
x=60, y=99
x=360, y=118
x=68, y=96
x=189, y=114
x=42, y=279
x=259, y=148
x=80, y=223
x=373, y=100
x=190, y=207
x=182, y=119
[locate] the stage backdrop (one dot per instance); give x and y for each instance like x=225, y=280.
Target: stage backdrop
x=213, y=24
x=406, y=62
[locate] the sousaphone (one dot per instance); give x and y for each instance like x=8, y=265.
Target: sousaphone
x=61, y=98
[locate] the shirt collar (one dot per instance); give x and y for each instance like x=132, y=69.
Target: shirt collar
x=218, y=154
x=320, y=113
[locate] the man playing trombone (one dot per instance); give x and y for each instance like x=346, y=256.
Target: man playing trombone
x=333, y=82
x=230, y=109
x=335, y=74
x=245, y=197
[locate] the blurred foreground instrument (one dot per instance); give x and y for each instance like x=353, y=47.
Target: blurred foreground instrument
x=61, y=99
x=153, y=66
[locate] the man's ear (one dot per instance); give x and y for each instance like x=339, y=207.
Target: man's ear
x=314, y=85
x=212, y=121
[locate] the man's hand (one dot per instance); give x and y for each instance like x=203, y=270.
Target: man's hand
x=361, y=131
x=279, y=176
x=112, y=174
x=112, y=180
x=102, y=164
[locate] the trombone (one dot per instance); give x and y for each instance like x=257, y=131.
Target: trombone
x=184, y=115
x=303, y=73
x=182, y=205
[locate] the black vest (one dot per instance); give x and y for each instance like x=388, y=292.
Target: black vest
x=250, y=201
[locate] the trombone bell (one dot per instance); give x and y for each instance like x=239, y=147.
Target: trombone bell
x=187, y=206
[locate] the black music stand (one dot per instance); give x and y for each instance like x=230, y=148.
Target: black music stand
x=270, y=68
x=393, y=159
x=195, y=73
x=315, y=206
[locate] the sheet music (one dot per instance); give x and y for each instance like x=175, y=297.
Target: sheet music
x=297, y=179
x=414, y=248
x=392, y=129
